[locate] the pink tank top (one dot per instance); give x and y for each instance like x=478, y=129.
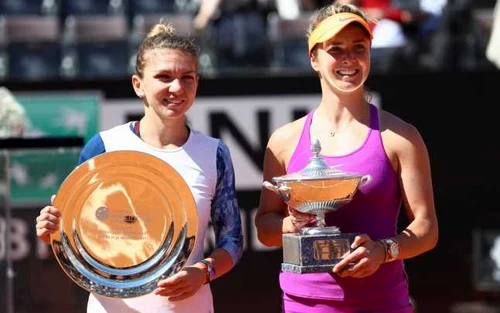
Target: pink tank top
x=374, y=210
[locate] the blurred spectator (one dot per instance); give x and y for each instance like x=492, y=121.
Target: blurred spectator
x=401, y=30
x=312, y=5
x=13, y=119
x=207, y=11
x=493, y=48
x=239, y=29
x=390, y=49
x=431, y=29
x=289, y=9
x=432, y=13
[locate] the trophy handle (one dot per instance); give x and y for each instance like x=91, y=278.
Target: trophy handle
x=365, y=180
x=270, y=186
x=283, y=191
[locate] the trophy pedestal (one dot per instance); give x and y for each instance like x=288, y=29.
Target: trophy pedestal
x=315, y=252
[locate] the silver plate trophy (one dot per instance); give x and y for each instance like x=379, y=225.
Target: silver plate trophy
x=316, y=189
x=128, y=220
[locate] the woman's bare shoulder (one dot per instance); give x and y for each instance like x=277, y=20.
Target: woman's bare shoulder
x=397, y=133
x=286, y=136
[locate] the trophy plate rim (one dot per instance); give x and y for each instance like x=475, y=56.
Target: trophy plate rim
x=128, y=220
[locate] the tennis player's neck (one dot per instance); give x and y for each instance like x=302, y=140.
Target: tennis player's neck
x=162, y=138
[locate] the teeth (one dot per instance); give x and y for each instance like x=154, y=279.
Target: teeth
x=347, y=72
x=175, y=101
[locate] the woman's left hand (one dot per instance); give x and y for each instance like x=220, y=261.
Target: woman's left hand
x=295, y=221
x=183, y=284
x=364, y=260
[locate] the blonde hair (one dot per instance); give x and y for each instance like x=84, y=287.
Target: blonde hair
x=333, y=9
x=163, y=36
x=161, y=28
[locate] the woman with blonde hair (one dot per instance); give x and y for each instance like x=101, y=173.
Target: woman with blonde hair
x=359, y=138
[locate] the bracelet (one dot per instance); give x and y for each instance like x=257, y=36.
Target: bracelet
x=208, y=269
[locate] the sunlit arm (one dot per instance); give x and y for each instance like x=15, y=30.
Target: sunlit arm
x=422, y=233
x=271, y=219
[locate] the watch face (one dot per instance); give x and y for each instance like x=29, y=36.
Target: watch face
x=393, y=248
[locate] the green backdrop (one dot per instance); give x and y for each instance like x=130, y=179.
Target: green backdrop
x=37, y=174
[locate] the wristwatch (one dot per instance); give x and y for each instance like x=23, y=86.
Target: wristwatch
x=391, y=249
x=210, y=270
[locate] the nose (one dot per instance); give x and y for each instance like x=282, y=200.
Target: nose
x=348, y=56
x=175, y=86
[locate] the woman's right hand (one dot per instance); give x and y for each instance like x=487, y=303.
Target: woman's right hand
x=47, y=222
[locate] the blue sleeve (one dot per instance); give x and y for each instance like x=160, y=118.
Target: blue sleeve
x=225, y=211
x=93, y=147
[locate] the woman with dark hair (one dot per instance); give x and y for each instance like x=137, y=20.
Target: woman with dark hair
x=166, y=80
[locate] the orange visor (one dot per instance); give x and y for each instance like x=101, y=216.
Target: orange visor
x=332, y=25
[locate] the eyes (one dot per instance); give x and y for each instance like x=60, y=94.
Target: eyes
x=340, y=49
x=167, y=78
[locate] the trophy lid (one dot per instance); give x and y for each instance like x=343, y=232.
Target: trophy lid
x=316, y=169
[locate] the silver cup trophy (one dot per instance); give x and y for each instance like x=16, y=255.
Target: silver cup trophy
x=316, y=189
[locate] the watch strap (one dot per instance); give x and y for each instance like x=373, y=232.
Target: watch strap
x=384, y=246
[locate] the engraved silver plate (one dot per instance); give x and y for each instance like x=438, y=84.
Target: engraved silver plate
x=128, y=220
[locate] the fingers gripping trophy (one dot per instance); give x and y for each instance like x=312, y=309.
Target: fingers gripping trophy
x=317, y=189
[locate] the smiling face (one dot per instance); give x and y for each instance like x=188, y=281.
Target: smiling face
x=344, y=61
x=168, y=84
